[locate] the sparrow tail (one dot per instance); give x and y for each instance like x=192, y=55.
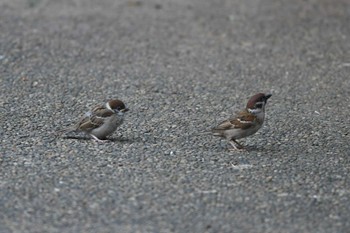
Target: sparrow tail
x=216, y=132
x=204, y=133
x=66, y=130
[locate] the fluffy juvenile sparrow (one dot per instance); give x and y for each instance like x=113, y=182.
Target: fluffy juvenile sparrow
x=245, y=123
x=101, y=121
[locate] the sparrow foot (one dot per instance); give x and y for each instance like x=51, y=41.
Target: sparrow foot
x=236, y=146
x=98, y=140
x=237, y=149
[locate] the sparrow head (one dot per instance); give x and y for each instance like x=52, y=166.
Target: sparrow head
x=116, y=106
x=256, y=103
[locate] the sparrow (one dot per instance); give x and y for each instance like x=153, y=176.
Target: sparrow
x=245, y=122
x=101, y=121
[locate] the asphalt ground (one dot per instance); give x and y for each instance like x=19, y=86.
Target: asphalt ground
x=181, y=67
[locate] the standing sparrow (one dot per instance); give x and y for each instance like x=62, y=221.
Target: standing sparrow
x=101, y=121
x=245, y=123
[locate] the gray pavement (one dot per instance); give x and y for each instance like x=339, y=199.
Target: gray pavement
x=181, y=66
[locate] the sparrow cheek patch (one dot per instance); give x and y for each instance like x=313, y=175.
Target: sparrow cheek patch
x=258, y=105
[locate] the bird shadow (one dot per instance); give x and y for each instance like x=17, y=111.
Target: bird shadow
x=76, y=138
x=229, y=149
x=112, y=139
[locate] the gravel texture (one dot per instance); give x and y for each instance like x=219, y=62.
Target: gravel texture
x=181, y=66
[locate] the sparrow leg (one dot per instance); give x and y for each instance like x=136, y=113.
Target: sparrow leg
x=240, y=146
x=97, y=139
x=235, y=145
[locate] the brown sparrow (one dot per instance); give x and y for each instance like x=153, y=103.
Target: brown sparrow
x=101, y=121
x=245, y=123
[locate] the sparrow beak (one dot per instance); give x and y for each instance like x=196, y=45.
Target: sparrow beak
x=124, y=110
x=267, y=96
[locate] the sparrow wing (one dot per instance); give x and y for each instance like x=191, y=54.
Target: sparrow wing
x=94, y=118
x=242, y=120
x=224, y=125
x=101, y=111
x=90, y=123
